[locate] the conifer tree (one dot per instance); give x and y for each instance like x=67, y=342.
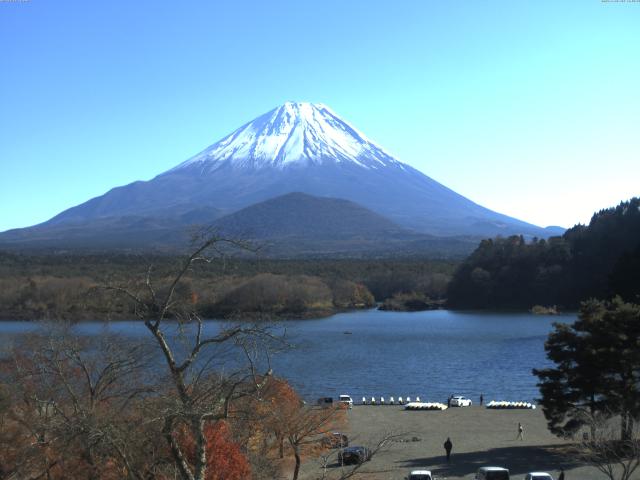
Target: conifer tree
x=597, y=368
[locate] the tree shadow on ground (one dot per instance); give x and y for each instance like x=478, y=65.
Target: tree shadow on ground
x=519, y=460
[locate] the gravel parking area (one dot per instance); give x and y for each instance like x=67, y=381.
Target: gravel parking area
x=480, y=437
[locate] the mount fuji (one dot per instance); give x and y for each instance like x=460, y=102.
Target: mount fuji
x=297, y=147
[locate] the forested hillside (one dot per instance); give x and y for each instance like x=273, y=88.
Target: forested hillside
x=598, y=260
x=69, y=286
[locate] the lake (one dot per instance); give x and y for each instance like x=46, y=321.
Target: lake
x=431, y=354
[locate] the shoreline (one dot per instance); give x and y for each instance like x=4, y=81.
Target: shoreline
x=250, y=316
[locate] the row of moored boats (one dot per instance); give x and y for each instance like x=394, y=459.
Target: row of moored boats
x=417, y=404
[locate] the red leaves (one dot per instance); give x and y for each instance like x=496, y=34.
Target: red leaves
x=225, y=460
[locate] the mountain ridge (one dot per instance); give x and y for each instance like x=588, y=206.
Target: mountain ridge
x=294, y=225
x=298, y=213
x=301, y=225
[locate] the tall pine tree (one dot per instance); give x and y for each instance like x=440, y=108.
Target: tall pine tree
x=597, y=368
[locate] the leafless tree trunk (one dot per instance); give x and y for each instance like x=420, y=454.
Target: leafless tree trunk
x=306, y=428
x=616, y=458
x=344, y=472
x=200, y=397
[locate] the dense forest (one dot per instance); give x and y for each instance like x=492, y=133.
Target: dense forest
x=598, y=260
x=71, y=286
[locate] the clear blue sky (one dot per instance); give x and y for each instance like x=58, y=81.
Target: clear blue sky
x=529, y=108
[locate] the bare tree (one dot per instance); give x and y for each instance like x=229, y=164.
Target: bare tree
x=205, y=374
x=602, y=447
x=343, y=472
x=73, y=402
x=306, y=427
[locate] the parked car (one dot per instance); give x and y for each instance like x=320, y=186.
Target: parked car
x=538, y=476
x=492, y=473
x=335, y=440
x=459, y=401
x=325, y=401
x=346, y=400
x=420, y=475
x=354, y=455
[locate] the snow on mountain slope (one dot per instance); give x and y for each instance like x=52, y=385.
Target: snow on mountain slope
x=297, y=147
x=292, y=134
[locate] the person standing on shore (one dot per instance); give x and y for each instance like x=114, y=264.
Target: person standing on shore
x=481, y=399
x=520, y=432
x=561, y=477
x=447, y=448
x=449, y=401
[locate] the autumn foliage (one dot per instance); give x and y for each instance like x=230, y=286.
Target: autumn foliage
x=56, y=424
x=225, y=460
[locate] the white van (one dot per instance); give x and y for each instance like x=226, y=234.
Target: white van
x=420, y=475
x=346, y=400
x=492, y=473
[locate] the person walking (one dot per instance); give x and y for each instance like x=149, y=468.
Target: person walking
x=481, y=399
x=520, y=432
x=561, y=477
x=447, y=448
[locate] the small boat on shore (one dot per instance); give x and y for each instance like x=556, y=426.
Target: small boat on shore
x=510, y=405
x=425, y=406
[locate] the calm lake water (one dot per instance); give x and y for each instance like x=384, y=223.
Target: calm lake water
x=431, y=354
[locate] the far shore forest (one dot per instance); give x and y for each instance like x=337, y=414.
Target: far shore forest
x=599, y=260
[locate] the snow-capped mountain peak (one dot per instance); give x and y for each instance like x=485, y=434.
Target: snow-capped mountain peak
x=296, y=133
x=297, y=147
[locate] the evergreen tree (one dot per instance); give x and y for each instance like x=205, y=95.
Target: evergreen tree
x=597, y=368
x=600, y=260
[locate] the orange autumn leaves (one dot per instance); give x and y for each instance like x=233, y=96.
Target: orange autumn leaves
x=276, y=424
x=105, y=437
x=225, y=460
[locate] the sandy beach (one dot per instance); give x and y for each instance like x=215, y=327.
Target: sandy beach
x=480, y=437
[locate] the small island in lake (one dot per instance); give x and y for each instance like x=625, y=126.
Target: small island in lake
x=411, y=302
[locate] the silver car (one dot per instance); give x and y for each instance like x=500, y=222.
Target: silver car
x=538, y=476
x=420, y=475
x=459, y=401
